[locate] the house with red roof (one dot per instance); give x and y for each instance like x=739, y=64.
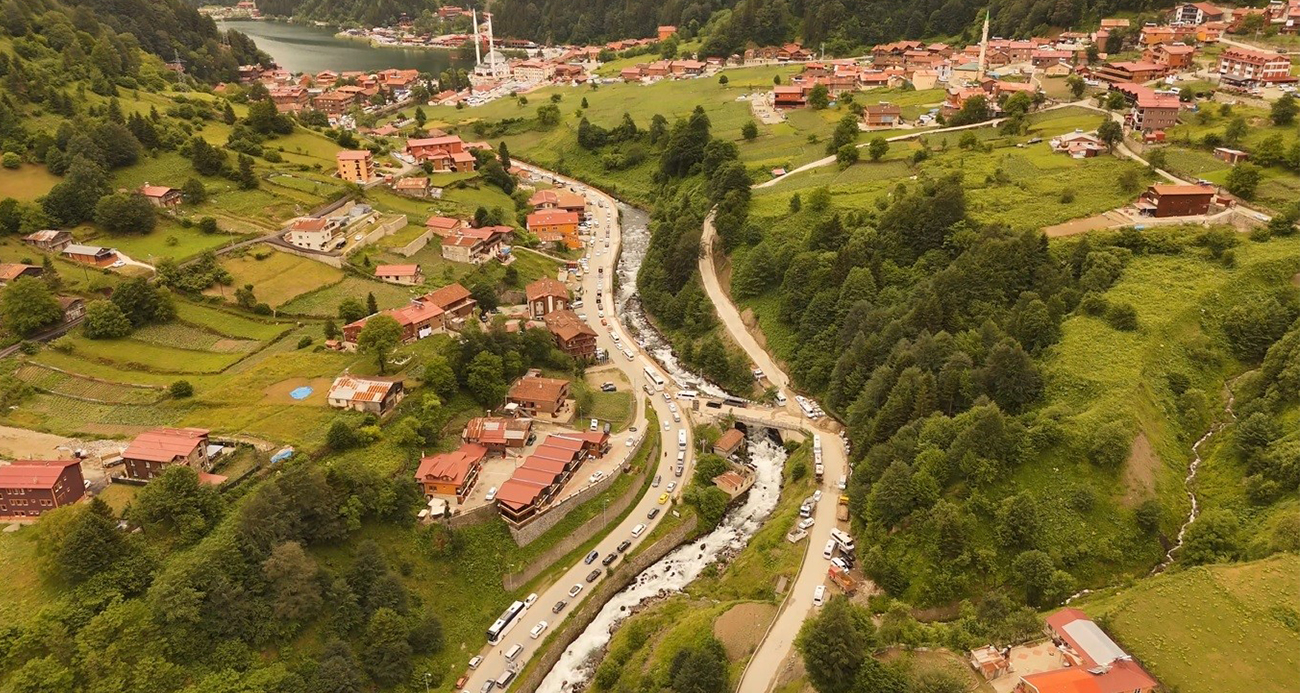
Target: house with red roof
x=161, y=196
x=1244, y=66
x=534, y=394
x=545, y=296
x=555, y=226
x=151, y=452
x=540, y=477
x=454, y=300
x=418, y=320
x=445, y=153
x=572, y=334
x=451, y=473
x=476, y=246
x=1096, y=663
x=1195, y=13
x=370, y=395
x=561, y=199
x=12, y=271
x=498, y=434
x=444, y=226
x=400, y=274
x=29, y=488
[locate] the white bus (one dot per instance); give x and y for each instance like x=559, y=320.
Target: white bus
x=687, y=394
x=653, y=376
x=507, y=621
x=681, y=439
x=843, y=539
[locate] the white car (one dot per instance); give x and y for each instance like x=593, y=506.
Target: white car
x=672, y=485
x=677, y=417
x=819, y=595
x=805, y=523
x=672, y=407
x=817, y=496
x=573, y=591
x=532, y=598
x=668, y=398
x=475, y=661
x=491, y=494
x=595, y=424
x=631, y=442
x=119, y=263
x=538, y=629
x=595, y=477
x=667, y=426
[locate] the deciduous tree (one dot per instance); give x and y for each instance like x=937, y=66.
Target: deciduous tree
x=381, y=334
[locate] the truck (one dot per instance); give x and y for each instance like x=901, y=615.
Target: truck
x=819, y=470
x=842, y=511
x=843, y=580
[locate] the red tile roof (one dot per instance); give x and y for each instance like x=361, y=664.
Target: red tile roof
x=154, y=190
x=353, y=155
x=538, y=389
x=548, y=217
x=12, y=270
x=517, y=493
x=396, y=270
x=450, y=467
x=448, y=295
x=546, y=286
x=165, y=444
x=42, y=474
x=353, y=389
x=442, y=223
x=730, y=440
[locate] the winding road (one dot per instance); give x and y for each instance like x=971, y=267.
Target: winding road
x=605, y=229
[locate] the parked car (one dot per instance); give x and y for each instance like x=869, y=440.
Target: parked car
x=532, y=599
x=597, y=476
x=609, y=559
x=559, y=606
x=491, y=494
x=806, y=523
x=591, y=577
x=591, y=557
x=608, y=387
x=663, y=498
x=538, y=629
x=654, y=512
x=475, y=661
x=655, y=483
x=672, y=485
x=573, y=591
x=624, y=546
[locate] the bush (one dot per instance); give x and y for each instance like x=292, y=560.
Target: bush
x=1108, y=445
x=798, y=470
x=11, y=160
x=181, y=389
x=1122, y=316
x=304, y=342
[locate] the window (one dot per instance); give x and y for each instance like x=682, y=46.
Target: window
x=45, y=503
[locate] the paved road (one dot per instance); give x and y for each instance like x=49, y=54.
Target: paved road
x=606, y=227
x=764, y=666
x=44, y=336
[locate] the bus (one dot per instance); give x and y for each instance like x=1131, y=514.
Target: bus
x=681, y=439
x=653, y=376
x=687, y=394
x=508, y=620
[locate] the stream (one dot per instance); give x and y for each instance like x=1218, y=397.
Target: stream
x=675, y=571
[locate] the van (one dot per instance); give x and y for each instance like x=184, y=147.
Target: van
x=514, y=651
x=505, y=678
x=780, y=398
x=829, y=551
x=687, y=394
x=681, y=457
x=681, y=439
x=638, y=530
x=819, y=595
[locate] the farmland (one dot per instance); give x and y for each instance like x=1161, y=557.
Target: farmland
x=1220, y=629
x=277, y=278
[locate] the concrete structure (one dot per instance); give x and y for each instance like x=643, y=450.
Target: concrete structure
x=451, y=473
x=1174, y=56
x=315, y=233
x=334, y=103
x=476, y=246
x=413, y=186
x=1194, y=13
x=990, y=662
x=545, y=296
x=1229, y=155
x=1129, y=71
x=534, y=394
x=1175, y=200
x=370, y=395
x=1242, y=66
x=400, y=274
x=356, y=166
x=151, y=452
x=29, y=488
x=1097, y=663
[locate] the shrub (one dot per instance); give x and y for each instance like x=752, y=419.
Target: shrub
x=1108, y=444
x=1067, y=196
x=181, y=389
x=304, y=342
x=1122, y=316
x=11, y=160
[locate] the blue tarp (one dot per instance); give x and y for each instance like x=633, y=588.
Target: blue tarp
x=282, y=455
x=301, y=393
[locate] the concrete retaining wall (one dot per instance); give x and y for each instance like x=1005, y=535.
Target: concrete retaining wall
x=385, y=229
x=477, y=516
x=334, y=261
x=416, y=245
x=578, y=622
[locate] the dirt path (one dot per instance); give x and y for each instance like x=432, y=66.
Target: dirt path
x=741, y=628
x=20, y=443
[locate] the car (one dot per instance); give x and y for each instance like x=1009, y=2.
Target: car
x=582, y=317
x=677, y=471
x=667, y=426
x=488, y=686
x=672, y=485
x=591, y=577
x=591, y=557
x=609, y=559
x=600, y=313
x=475, y=661
x=608, y=387
x=624, y=546
x=538, y=629
x=595, y=478
x=655, y=483
x=677, y=418
x=819, y=595
x=603, y=320
x=806, y=523
x=640, y=529
x=532, y=599
x=840, y=563
x=630, y=442
x=595, y=424
x=654, y=512
x=559, y=606
x=817, y=496
x=668, y=398
x=491, y=494
x=460, y=682
x=843, y=483
x=663, y=498
x=573, y=591
x=672, y=407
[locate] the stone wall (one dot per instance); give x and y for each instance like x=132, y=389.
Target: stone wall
x=334, y=261
x=577, y=537
x=477, y=516
x=385, y=228
x=578, y=622
x=416, y=245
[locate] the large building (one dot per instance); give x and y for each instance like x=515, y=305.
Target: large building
x=556, y=226
x=533, y=394
x=545, y=296
x=161, y=196
x=356, y=166
x=540, y=477
x=445, y=153
x=1242, y=66
x=476, y=246
x=315, y=233
x=49, y=240
x=1097, y=664
x=370, y=395
x=451, y=473
x=94, y=255
x=418, y=319
x=498, y=434
x=1176, y=200
x=1130, y=72
x=561, y=199
x=29, y=488
x=153, y=451
x=573, y=335
x=408, y=275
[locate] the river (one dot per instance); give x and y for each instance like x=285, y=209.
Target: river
x=675, y=571
x=311, y=49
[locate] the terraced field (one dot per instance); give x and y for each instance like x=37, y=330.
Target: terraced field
x=70, y=385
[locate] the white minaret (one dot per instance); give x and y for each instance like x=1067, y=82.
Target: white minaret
x=478, y=58
x=492, y=55
x=984, y=48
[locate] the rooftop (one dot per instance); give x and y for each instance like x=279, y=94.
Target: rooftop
x=397, y=270
x=353, y=155
x=447, y=296
x=33, y=473
x=450, y=467
x=546, y=286
x=353, y=389
x=539, y=389
x=165, y=444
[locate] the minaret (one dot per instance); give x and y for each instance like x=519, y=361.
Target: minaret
x=478, y=58
x=984, y=48
x=492, y=57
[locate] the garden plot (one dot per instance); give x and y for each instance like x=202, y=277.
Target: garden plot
x=54, y=382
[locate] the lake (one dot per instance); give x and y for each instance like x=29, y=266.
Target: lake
x=307, y=48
